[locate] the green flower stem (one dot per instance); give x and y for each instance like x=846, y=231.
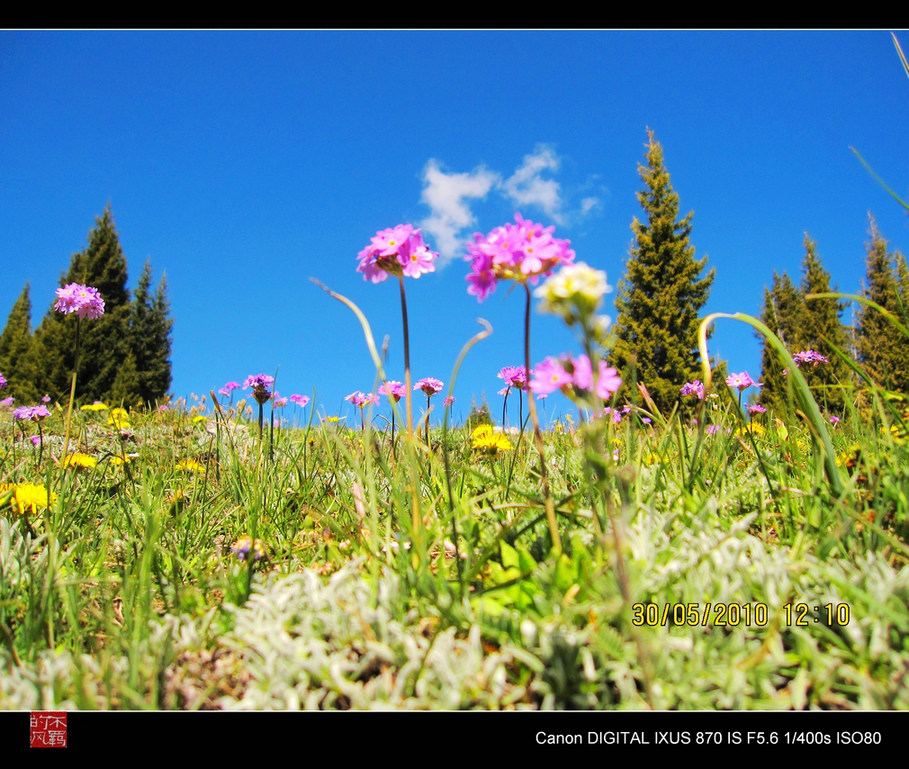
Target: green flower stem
x=72, y=391
x=538, y=435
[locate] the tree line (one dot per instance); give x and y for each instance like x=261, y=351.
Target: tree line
x=124, y=356
x=665, y=287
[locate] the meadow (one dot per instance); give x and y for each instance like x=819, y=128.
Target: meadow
x=713, y=557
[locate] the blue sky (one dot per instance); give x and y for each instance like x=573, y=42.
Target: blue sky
x=244, y=163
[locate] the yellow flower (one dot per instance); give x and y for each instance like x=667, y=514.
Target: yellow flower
x=484, y=439
x=190, y=465
x=755, y=428
x=79, y=460
x=27, y=496
x=119, y=418
x=96, y=406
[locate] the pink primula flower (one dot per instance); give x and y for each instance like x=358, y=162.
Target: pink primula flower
x=85, y=301
x=522, y=251
x=398, y=250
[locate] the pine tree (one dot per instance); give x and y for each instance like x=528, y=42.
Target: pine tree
x=882, y=350
x=18, y=360
x=783, y=314
x=822, y=331
x=150, y=331
x=103, y=343
x=662, y=292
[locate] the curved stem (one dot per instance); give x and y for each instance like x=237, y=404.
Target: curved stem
x=538, y=435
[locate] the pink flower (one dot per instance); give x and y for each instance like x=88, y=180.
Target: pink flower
x=393, y=390
x=260, y=384
x=756, y=408
x=514, y=376
x=693, y=388
x=398, y=250
x=300, y=400
x=522, y=251
x=809, y=356
x=449, y=400
x=548, y=377
x=429, y=386
x=85, y=301
x=362, y=399
x=743, y=381
x=31, y=413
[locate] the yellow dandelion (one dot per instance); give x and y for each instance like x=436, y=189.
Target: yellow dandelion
x=79, y=460
x=755, y=428
x=191, y=466
x=487, y=440
x=96, y=406
x=119, y=418
x=26, y=496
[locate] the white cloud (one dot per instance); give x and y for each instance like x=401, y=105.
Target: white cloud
x=449, y=196
x=526, y=187
x=445, y=194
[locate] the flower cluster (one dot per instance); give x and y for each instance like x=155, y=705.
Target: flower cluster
x=576, y=294
x=574, y=377
x=85, y=301
x=396, y=251
x=809, y=356
x=514, y=376
x=522, y=251
x=693, y=388
x=228, y=388
x=429, y=386
x=31, y=413
x=362, y=399
x=300, y=400
x=2, y=382
x=393, y=390
x=260, y=384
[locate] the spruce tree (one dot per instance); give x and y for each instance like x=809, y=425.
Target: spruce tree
x=823, y=332
x=659, y=298
x=882, y=350
x=18, y=359
x=103, y=343
x=150, y=331
x=783, y=314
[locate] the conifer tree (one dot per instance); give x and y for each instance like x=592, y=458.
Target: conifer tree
x=783, y=314
x=150, y=331
x=104, y=343
x=18, y=360
x=822, y=331
x=662, y=291
x=882, y=350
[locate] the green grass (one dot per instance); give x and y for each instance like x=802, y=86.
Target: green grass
x=681, y=549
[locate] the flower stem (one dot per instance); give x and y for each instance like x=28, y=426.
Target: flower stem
x=538, y=435
x=416, y=518
x=72, y=391
x=408, y=403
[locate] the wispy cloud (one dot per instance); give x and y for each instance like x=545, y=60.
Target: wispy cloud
x=446, y=195
x=449, y=197
x=526, y=186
